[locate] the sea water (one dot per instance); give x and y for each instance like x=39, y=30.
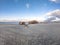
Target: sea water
x=9, y=22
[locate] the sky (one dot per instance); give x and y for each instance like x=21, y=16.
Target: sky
x=26, y=9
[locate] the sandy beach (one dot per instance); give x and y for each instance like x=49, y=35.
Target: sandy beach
x=11, y=34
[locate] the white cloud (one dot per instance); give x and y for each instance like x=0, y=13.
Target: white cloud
x=56, y=1
x=49, y=16
x=27, y=5
x=53, y=0
x=9, y=19
x=53, y=15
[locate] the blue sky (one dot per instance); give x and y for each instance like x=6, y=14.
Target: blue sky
x=18, y=9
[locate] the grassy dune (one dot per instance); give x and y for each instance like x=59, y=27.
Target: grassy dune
x=35, y=34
